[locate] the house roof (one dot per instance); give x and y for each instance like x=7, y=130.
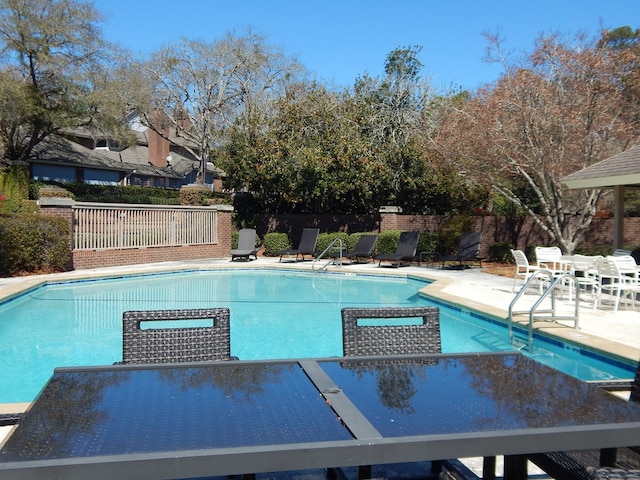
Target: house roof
x=60, y=151
x=621, y=169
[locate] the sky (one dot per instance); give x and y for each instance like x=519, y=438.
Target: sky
x=339, y=40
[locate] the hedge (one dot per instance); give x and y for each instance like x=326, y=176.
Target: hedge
x=34, y=243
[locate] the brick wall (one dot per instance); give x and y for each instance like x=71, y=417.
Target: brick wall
x=83, y=259
x=494, y=229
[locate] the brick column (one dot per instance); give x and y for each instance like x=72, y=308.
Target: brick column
x=389, y=217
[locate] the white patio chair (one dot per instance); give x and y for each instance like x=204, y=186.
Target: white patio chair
x=612, y=281
x=524, y=270
x=550, y=258
x=585, y=270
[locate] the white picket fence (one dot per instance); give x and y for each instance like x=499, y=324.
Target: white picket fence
x=99, y=226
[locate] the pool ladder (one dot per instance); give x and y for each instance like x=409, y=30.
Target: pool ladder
x=329, y=261
x=537, y=312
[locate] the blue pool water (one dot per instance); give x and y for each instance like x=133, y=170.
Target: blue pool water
x=274, y=314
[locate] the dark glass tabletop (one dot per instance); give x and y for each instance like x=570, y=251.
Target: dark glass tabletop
x=471, y=394
x=119, y=411
x=241, y=417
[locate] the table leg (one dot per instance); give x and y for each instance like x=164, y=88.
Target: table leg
x=489, y=468
x=515, y=467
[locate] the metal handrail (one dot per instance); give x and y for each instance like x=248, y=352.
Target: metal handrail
x=337, y=261
x=534, y=312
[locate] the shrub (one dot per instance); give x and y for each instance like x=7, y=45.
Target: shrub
x=193, y=195
x=325, y=239
x=274, y=242
x=500, y=252
x=388, y=241
x=428, y=242
x=33, y=243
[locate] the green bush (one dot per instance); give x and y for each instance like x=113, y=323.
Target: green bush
x=325, y=239
x=83, y=192
x=34, y=243
x=500, y=252
x=387, y=242
x=274, y=242
x=428, y=242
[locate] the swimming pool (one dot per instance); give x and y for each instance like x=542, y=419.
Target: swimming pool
x=274, y=314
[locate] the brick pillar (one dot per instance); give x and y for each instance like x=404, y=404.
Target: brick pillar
x=60, y=207
x=389, y=218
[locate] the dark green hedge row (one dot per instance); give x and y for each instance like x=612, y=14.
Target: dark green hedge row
x=386, y=243
x=33, y=243
x=83, y=192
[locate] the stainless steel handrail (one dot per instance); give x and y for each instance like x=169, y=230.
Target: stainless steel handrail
x=337, y=261
x=535, y=312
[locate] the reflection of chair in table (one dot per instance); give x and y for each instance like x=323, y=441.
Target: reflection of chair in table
x=143, y=341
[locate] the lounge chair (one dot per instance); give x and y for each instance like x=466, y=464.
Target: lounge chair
x=468, y=250
x=405, y=251
x=595, y=463
x=182, y=344
x=362, y=250
x=307, y=245
x=246, y=245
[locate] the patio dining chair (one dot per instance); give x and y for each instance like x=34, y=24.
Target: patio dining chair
x=524, y=270
x=144, y=342
x=390, y=339
x=406, y=339
x=613, y=281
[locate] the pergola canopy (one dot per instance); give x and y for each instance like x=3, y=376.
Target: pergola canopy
x=622, y=169
x=618, y=172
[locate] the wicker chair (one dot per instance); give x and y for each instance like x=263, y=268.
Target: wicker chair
x=358, y=340
x=594, y=463
x=362, y=340
x=182, y=344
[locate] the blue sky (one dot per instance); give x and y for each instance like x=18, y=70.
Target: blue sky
x=340, y=40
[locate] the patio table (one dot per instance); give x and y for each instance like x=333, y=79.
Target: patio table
x=246, y=417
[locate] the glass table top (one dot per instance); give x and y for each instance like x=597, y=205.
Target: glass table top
x=94, y=413
x=469, y=394
x=228, y=406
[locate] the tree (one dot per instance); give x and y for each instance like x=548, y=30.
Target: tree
x=53, y=74
x=199, y=88
x=560, y=110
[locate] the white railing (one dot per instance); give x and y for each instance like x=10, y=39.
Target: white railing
x=99, y=226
